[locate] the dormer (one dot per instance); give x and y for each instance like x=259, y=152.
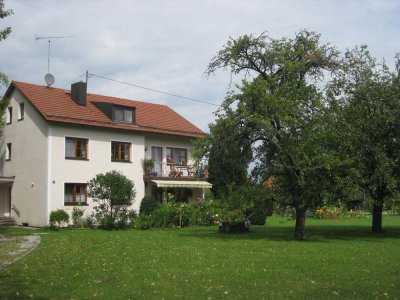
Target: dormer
x=117, y=113
x=123, y=114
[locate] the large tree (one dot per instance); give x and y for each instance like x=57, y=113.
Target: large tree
x=228, y=150
x=3, y=78
x=4, y=33
x=369, y=94
x=280, y=112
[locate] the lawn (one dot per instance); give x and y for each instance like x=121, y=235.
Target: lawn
x=340, y=259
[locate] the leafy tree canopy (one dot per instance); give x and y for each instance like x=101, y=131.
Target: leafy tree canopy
x=278, y=116
x=369, y=96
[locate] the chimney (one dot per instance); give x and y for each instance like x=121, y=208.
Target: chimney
x=78, y=92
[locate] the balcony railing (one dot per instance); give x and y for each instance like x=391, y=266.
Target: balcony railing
x=174, y=170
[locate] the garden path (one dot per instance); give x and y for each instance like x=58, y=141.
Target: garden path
x=14, y=248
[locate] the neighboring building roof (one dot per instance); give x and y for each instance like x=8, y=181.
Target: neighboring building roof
x=56, y=105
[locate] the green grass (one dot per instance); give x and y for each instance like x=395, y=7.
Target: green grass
x=339, y=259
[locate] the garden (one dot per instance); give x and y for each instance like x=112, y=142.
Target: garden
x=340, y=258
x=178, y=250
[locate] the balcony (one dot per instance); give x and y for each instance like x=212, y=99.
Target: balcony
x=174, y=171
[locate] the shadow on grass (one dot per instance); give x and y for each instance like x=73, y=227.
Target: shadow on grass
x=313, y=233
x=15, y=288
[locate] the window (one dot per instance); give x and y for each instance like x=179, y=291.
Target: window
x=156, y=156
x=122, y=114
x=75, y=193
x=76, y=148
x=8, y=151
x=21, y=111
x=177, y=156
x=9, y=115
x=120, y=151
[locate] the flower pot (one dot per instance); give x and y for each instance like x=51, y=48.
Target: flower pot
x=234, y=227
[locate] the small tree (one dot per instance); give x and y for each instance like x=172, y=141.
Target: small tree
x=114, y=193
x=148, y=205
x=58, y=218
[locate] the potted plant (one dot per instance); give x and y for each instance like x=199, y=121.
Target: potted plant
x=232, y=221
x=148, y=165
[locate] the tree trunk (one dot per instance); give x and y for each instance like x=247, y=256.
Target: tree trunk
x=377, y=217
x=300, y=223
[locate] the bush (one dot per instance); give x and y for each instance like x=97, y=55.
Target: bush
x=203, y=213
x=143, y=222
x=328, y=212
x=148, y=205
x=178, y=213
x=253, y=200
x=77, y=216
x=161, y=217
x=58, y=218
x=114, y=193
x=232, y=216
x=88, y=222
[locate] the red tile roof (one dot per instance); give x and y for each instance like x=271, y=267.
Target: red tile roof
x=56, y=105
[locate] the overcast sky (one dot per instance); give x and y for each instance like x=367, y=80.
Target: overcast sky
x=166, y=45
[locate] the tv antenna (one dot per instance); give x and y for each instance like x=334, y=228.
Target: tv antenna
x=49, y=39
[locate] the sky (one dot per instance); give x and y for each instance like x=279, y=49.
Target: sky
x=167, y=45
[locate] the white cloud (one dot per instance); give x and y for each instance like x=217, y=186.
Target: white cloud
x=167, y=45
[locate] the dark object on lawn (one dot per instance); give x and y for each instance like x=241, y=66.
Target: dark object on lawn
x=230, y=227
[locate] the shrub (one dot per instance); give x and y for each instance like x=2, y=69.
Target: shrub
x=88, y=222
x=178, y=213
x=132, y=214
x=58, y=218
x=114, y=193
x=254, y=201
x=143, y=222
x=161, y=217
x=202, y=213
x=232, y=216
x=328, y=212
x=148, y=205
x=123, y=219
x=77, y=216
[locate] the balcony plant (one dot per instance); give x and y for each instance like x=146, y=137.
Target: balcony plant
x=148, y=165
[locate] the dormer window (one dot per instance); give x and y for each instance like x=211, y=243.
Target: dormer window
x=122, y=114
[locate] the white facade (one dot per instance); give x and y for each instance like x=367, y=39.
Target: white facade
x=41, y=170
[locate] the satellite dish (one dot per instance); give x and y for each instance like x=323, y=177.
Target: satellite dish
x=49, y=78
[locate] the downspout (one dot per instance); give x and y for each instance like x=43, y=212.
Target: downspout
x=49, y=167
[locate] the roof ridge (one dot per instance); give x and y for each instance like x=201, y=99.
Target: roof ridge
x=92, y=94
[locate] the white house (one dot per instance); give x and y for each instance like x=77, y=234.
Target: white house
x=56, y=140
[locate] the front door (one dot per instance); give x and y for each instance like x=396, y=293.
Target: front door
x=5, y=200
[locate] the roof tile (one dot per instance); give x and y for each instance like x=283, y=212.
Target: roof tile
x=56, y=105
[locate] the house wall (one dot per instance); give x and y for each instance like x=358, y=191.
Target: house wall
x=99, y=161
x=41, y=170
x=166, y=141
x=28, y=162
